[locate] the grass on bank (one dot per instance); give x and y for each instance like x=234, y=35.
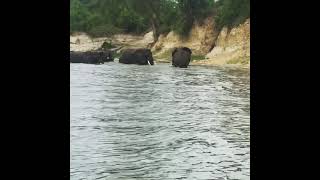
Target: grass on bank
x=197, y=57
x=242, y=61
x=107, y=45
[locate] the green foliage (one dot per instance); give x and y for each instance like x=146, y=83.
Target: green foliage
x=106, y=17
x=116, y=55
x=107, y=45
x=168, y=15
x=165, y=55
x=182, y=27
x=197, y=57
x=232, y=12
x=188, y=12
x=79, y=16
x=130, y=21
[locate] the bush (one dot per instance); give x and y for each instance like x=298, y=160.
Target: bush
x=107, y=45
x=182, y=27
x=107, y=17
x=197, y=57
x=232, y=12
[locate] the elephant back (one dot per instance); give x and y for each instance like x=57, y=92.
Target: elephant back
x=86, y=57
x=181, y=57
x=136, y=56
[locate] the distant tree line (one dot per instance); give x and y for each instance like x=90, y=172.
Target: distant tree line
x=106, y=17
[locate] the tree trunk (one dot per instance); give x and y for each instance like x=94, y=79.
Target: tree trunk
x=155, y=28
x=152, y=5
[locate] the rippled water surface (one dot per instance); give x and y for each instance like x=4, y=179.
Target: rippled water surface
x=159, y=122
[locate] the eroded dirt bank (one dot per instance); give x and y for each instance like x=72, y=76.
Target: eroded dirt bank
x=210, y=46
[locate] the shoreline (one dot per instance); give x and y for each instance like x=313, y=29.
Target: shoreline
x=244, y=66
x=123, y=41
x=206, y=63
x=238, y=66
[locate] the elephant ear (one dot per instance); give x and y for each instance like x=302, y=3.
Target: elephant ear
x=187, y=49
x=174, y=51
x=148, y=51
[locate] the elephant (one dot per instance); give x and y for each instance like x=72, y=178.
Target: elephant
x=107, y=55
x=181, y=57
x=91, y=57
x=140, y=56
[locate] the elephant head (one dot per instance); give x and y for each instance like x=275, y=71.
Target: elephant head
x=149, y=57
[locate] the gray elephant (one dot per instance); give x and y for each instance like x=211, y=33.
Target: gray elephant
x=181, y=57
x=141, y=56
x=91, y=57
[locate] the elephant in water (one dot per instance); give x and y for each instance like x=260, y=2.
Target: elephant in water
x=181, y=57
x=141, y=56
x=91, y=57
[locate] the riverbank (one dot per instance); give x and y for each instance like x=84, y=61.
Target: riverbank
x=82, y=42
x=209, y=63
x=209, y=46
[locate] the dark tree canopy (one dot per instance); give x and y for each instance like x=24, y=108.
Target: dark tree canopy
x=106, y=17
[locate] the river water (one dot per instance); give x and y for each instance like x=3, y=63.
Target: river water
x=159, y=122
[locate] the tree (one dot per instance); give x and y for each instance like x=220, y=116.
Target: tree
x=232, y=12
x=106, y=17
x=189, y=11
x=78, y=16
x=148, y=8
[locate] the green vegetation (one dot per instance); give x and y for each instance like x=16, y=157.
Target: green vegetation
x=188, y=12
x=197, y=57
x=165, y=55
x=107, y=17
x=107, y=45
x=232, y=12
x=116, y=55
